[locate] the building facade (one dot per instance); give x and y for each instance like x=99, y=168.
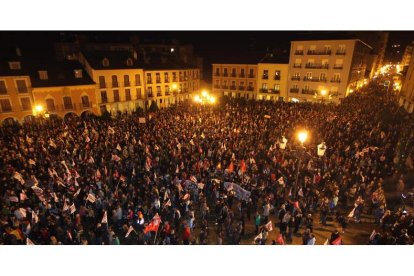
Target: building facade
x=406, y=96
x=326, y=70
x=272, y=79
x=235, y=80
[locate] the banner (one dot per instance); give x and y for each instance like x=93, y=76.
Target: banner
x=240, y=193
x=141, y=120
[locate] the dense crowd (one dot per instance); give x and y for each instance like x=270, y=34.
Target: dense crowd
x=198, y=174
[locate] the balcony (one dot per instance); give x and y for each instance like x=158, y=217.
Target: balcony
x=225, y=75
x=85, y=105
x=314, y=79
x=158, y=81
x=294, y=90
x=174, y=79
x=232, y=87
x=295, y=78
x=242, y=88
x=115, y=84
x=276, y=78
x=216, y=86
x=251, y=76
x=338, y=66
x=217, y=74
x=336, y=80
x=181, y=79
x=68, y=106
x=242, y=76
x=104, y=100
x=333, y=93
x=225, y=87
x=265, y=77
x=274, y=91
x=150, y=95
x=323, y=52
x=264, y=90
x=22, y=89
x=149, y=81
x=167, y=93
x=309, y=91
x=299, y=52
x=340, y=53
x=127, y=84
x=316, y=66
x=234, y=75
x=102, y=85
x=137, y=83
x=159, y=94
x=297, y=65
x=250, y=88
x=166, y=80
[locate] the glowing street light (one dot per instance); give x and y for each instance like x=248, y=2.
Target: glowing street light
x=302, y=136
x=39, y=108
x=282, y=143
x=212, y=99
x=321, y=149
x=323, y=92
x=204, y=93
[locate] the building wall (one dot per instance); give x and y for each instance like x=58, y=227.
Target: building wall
x=41, y=95
x=168, y=90
x=325, y=70
x=406, y=98
x=239, y=84
x=272, y=87
x=105, y=84
x=15, y=97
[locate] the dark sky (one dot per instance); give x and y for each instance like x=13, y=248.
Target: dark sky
x=211, y=45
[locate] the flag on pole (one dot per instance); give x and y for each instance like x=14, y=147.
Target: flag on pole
x=281, y=181
x=326, y=242
x=192, y=142
x=153, y=225
x=115, y=157
x=167, y=203
x=177, y=170
x=338, y=241
x=351, y=214
x=258, y=237
x=231, y=167
x=186, y=197
x=105, y=218
x=22, y=212
x=72, y=208
x=130, y=229
x=311, y=241
x=300, y=193
x=118, y=147
x=269, y=226
x=243, y=166
x=87, y=139
x=91, y=198
x=76, y=194
x=29, y=242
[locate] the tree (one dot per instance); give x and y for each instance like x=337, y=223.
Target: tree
x=153, y=107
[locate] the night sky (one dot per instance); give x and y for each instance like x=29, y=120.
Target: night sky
x=210, y=45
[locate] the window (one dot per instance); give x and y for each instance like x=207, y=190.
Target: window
x=233, y=72
x=295, y=86
x=78, y=73
x=265, y=74
x=322, y=76
x=327, y=48
x=3, y=88
x=50, y=105
x=116, y=95
x=102, y=82
x=157, y=77
x=149, y=91
x=104, y=97
x=43, y=75
x=181, y=76
x=127, y=94
x=67, y=103
x=126, y=80
x=264, y=86
x=217, y=71
x=174, y=76
x=277, y=75
x=167, y=89
x=225, y=72
x=149, y=81
x=5, y=105
x=114, y=81
x=129, y=62
x=166, y=77
x=105, y=62
x=14, y=65
x=217, y=83
x=137, y=80
x=139, y=95
x=85, y=101
x=25, y=102
x=277, y=87
x=309, y=75
x=341, y=49
x=21, y=86
x=242, y=73
x=296, y=75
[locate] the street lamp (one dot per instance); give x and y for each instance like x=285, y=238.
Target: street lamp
x=302, y=136
x=282, y=143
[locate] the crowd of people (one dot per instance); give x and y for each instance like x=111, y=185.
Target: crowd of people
x=198, y=174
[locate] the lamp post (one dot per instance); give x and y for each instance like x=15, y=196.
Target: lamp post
x=282, y=145
x=302, y=137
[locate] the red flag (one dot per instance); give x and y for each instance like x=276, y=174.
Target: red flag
x=243, y=166
x=280, y=240
x=338, y=241
x=231, y=167
x=273, y=176
x=153, y=225
x=296, y=204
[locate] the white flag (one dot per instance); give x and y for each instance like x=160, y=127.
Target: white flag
x=130, y=229
x=351, y=214
x=269, y=226
x=258, y=237
x=91, y=198
x=311, y=241
x=77, y=192
x=105, y=218
x=118, y=147
x=300, y=193
x=326, y=242
x=372, y=235
x=72, y=208
x=29, y=242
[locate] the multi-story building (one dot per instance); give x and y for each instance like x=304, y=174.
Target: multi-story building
x=235, y=80
x=272, y=78
x=326, y=70
x=119, y=79
x=408, y=52
x=30, y=87
x=406, y=96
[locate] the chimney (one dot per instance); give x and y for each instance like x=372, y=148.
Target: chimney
x=18, y=52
